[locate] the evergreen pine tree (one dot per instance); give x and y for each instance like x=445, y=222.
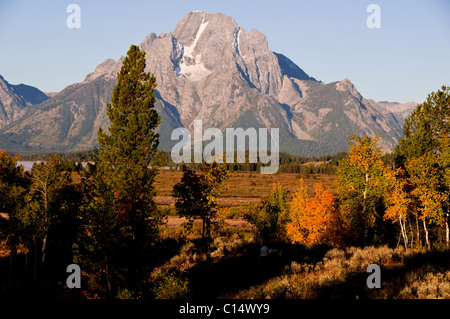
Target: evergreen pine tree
x=124, y=159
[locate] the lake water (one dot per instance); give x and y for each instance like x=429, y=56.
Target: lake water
x=27, y=164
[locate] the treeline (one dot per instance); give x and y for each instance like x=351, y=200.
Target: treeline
x=288, y=163
x=72, y=161
x=78, y=156
x=68, y=162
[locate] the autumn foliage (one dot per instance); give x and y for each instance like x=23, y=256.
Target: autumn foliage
x=308, y=216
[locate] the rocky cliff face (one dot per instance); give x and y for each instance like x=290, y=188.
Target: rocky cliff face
x=14, y=100
x=212, y=70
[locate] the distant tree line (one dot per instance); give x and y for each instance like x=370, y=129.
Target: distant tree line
x=78, y=156
x=328, y=164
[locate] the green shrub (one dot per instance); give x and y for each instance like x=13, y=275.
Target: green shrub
x=267, y=216
x=170, y=285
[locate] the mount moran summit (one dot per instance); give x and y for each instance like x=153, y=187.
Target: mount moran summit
x=210, y=69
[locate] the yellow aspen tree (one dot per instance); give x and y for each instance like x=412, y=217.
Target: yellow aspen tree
x=363, y=179
x=426, y=177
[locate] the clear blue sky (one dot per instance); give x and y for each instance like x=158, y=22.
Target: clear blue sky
x=404, y=60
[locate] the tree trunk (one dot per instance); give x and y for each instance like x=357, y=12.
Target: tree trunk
x=46, y=227
x=403, y=231
x=44, y=250
x=108, y=281
x=411, y=232
x=426, y=234
x=447, y=230
x=366, y=230
x=418, y=233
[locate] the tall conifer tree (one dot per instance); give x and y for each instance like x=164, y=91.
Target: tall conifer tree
x=125, y=155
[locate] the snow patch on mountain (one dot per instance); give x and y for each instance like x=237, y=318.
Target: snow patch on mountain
x=191, y=66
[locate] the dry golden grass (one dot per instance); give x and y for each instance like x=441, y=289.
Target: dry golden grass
x=246, y=184
x=242, y=187
x=342, y=274
x=426, y=283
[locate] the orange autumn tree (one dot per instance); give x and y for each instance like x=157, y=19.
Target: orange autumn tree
x=399, y=202
x=309, y=216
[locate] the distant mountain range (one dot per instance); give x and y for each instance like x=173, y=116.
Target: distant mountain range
x=14, y=100
x=208, y=68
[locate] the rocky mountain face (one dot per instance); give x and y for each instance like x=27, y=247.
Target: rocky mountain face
x=212, y=70
x=14, y=100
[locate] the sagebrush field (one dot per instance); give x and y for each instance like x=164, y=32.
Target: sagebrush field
x=290, y=271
